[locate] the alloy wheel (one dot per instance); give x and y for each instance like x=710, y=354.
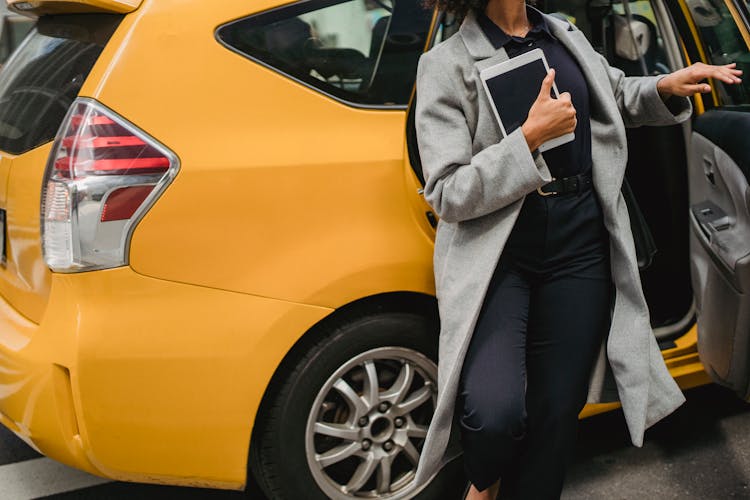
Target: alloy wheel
x=367, y=425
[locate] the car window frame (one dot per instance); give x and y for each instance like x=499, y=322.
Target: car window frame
x=742, y=26
x=303, y=7
x=694, y=49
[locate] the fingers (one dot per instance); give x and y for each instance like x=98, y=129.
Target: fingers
x=568, y=111
x=725, y=73
x=544, y=92
x=697, y=88
x=566, y=103
x=574, y=118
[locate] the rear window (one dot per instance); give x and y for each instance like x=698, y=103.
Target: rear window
x=45, y=74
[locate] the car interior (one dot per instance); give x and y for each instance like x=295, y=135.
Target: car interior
x=627, y=34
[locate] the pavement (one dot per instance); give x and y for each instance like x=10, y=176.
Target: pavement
x=701, y=451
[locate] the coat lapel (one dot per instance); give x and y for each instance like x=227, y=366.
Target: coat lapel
x=603, y=107
x=477, y=44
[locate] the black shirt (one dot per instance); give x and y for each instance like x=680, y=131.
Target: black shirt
x=562, y=235
x=573, y=157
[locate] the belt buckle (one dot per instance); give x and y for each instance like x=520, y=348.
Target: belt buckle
x=578, y=184
x=545, y=193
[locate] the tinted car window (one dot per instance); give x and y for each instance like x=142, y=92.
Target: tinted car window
x=360, y=51
x=44, y=76
x=723, y=43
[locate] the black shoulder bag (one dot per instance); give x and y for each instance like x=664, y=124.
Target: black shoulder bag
x=645, y=247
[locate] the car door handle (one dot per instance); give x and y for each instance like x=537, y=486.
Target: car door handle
x=708, y=170
x=431, y=218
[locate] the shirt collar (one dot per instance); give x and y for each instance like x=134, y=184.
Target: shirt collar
x=499, y=38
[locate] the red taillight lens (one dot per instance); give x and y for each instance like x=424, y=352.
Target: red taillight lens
x=105, y=170
x=122, y=203
x=98, y=145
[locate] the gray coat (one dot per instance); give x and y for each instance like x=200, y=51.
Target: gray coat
x=476, y=182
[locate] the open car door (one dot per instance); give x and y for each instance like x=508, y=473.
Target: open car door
x=719, y=196
x=719, y=169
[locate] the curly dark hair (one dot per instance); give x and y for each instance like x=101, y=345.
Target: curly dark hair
x=457, y=7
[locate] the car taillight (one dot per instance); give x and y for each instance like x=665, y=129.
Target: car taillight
x=102, y=176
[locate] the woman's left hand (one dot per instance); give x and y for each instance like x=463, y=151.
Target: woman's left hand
x=686, y=81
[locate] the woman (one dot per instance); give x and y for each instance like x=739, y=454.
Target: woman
x=540, y=299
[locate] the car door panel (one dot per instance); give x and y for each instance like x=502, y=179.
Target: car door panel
x=720, y=243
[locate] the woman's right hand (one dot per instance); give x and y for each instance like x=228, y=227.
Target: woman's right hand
x=549, y=118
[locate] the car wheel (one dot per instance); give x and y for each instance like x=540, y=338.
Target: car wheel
x=349, y=419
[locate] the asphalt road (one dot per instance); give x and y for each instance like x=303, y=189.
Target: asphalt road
x=702, y=451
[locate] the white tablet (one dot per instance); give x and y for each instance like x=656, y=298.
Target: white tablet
x=512, y=87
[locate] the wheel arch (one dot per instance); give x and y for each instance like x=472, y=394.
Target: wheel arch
x=390, y=302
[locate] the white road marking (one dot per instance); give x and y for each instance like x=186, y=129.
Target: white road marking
x=41, y=477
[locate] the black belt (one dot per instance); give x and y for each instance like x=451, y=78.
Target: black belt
x=573, y=184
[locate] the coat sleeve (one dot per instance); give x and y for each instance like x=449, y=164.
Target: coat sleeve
x=639, y=101
x=460, y=185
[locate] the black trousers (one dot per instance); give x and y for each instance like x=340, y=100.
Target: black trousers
x=526, y=372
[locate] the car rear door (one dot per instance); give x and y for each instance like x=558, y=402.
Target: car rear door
x=718, y=172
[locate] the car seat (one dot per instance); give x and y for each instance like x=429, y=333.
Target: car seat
x=631, y=41
x=402, y=35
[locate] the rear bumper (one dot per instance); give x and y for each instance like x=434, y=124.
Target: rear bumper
x=35, y=399
x=139, y=379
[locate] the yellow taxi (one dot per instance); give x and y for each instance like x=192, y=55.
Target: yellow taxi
x=216, y=260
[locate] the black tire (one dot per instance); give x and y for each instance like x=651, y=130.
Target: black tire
x=278, y=453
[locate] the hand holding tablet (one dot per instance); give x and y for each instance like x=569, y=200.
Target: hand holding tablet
x=550, y=122
x=523, y=94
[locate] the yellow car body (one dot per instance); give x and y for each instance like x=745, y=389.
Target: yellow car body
x=79, y=355
x=277, y=219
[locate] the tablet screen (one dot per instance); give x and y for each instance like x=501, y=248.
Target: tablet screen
x=515, y=91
